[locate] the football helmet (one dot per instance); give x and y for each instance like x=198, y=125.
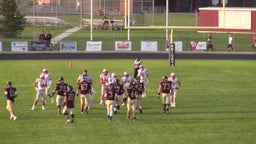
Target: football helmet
x=70, y=88
x=61, y=79
x=126, y=73
x=45, y=70
x=41, y=75
x=164, y=78
x=105, y=70
x=9, y=83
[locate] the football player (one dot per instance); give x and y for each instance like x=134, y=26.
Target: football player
x=84, y=77
x=69, y=104
x=175, y=87
x=131, y=101
x=84, y=89
x=119, y=91
x=104, y=76
x=48, y=78
x=40, y=85
x=126, y=80
x=144, y=78
x=165, y=87
x=111, y=98
x=60, y=89
x=10, y=93
x=136, y=64
x=139, y=86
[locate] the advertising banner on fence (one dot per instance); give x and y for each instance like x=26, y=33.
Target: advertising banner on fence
x=148, y=46
x=123, y=45
x=196, y=45
x=178, y=46
x=19, y=46
x=1, y=46
x=68, y=46
x=93, y=45
x=39, y=46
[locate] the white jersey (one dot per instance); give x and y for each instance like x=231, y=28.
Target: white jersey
x=48, y=78
x=230, y=40
x=174, y=81
x=104, y=78
x=41, y=84
x=137, y=63
x=126, y=81
x=86, y=78
x=143, y=74
x=112, y=80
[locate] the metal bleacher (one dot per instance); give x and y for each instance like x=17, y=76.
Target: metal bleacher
x=44, y=21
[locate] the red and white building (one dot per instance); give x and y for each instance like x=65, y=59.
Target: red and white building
x=229, y=19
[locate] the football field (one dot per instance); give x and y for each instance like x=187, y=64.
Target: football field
x=216, y=104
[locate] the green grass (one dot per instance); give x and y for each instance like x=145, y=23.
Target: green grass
x=216, y=104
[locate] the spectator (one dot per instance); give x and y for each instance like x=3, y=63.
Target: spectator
x=230, y=46
x=209, y=42
x=112, y=20
x=48, y=39
x=42, y=37
x=105, y=22
x=254, y=42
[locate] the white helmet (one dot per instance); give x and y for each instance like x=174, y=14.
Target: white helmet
x=41, y=75
x=45, y=70
x=105, y=70
x=113, y=75
x=172, y=74
x=126, y=73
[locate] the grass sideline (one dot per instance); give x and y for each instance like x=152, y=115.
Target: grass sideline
x=216, y=104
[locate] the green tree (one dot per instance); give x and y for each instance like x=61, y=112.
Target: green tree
x=11, y=21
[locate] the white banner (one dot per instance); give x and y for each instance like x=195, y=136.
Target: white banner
x=1, y=46
x=195, y=45
x=178, y=46
x=68, y=46
x=123, y=45
x=93, y=45
x=148, y=46
x=19, y=46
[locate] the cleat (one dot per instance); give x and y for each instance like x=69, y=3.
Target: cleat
x=123, y=104
x=134, y=118
x=43, y=107
x=15, y=117
x=68, y=121
x=128, y=118
x=33, y=107
x=11, y=117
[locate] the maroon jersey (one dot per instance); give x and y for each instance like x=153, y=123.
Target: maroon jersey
x=84, y=87
x=110, y=94
x=131, y=93
x=70, y=98
x=139, y=88
x=61, y=88
x=119, y=88
x=166, y=86
x=10, y=93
